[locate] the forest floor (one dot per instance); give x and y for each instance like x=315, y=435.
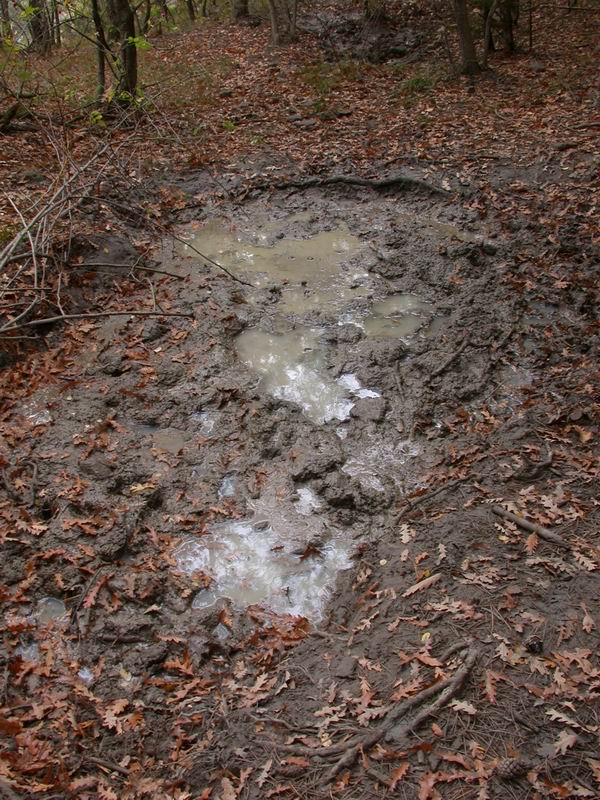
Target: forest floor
x=455, y=652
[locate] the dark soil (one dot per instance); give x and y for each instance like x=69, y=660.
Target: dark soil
x=500, y=406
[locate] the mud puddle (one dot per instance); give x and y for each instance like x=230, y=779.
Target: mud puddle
x=284, y=557
x=292, y=367
x=302, y=273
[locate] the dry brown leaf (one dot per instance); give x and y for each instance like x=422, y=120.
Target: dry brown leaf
x=397, y=775
x=421, y=585
x=531, y=543
x=463, y=705
x=565, y=741
x=264, y=772
x=587, y=623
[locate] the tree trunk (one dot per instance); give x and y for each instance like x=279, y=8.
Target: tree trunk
x=122, y=17
x=283, y=21
x=102, y=51
x=191, y=9
x=510, y=15
x=40, y=28
x=469, y=64
x=5, y=26
x=239, y=9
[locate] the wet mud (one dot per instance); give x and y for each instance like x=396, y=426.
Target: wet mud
x=205, y=487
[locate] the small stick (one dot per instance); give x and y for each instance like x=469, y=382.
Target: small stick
x=130, y=267
x=37, y=322
x=210, y=261
x=443, y=367
x=101, y=762
x=429, y=495
x=542, y=532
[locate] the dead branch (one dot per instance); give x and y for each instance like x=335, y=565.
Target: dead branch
x=210, y=260
x=533, y=527
x=444, y=366
x=65, y=317
x=410, y=504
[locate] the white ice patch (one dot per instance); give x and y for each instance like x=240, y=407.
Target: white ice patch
x=381, y=458
x=307, y=502
x=251, y=566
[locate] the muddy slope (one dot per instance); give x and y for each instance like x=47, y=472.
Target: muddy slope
x=147, y=434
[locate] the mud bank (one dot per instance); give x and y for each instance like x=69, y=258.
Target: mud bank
x=272, y=523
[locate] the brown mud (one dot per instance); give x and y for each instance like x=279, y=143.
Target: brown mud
x=149, y=433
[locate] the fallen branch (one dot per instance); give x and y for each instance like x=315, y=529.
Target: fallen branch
x=533, y=527
x=130, y=267
x=449, y=689
x=210, y=260
x=398, y=181
x=429, y=495
x=62, y=317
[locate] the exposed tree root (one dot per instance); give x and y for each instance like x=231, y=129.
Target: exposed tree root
x=450, y=687
x=349, y=750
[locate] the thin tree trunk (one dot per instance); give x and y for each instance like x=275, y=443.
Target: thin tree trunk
x=101, y=51
x=239, y=9
x=487, y=39
x=40, y=27
x=469, y=64
x=123, y=18
x=5, y=26
x=191, y=9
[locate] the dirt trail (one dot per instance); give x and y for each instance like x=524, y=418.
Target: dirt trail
x=456, y=653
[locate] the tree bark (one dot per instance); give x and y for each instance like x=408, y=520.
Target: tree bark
x=123, y=18
x=40, y=28
x=283, y=21
x=5, y=26
x=102, y=50
x=239, y=9
x=469, y=63
x=191, y=9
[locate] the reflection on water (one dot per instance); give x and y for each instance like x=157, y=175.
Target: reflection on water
x=285, y=563
x=311, y=270
x=50, y=609
x=396, y=317
x=380, y=458
x=292, y=366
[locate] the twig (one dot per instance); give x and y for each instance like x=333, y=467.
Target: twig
x=444, y=366
x=61, y=317
x=210, y=261
x=101, y=762
x=429, y=495
x=130, y=267
x=533, y=527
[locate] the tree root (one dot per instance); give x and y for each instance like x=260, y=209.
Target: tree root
x=398, y=181
x=349, y=750
x=450, y=687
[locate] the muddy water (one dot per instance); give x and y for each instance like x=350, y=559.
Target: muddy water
x=310, y=271
x=292, y=366
x=284, y=555
x=399, y=316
